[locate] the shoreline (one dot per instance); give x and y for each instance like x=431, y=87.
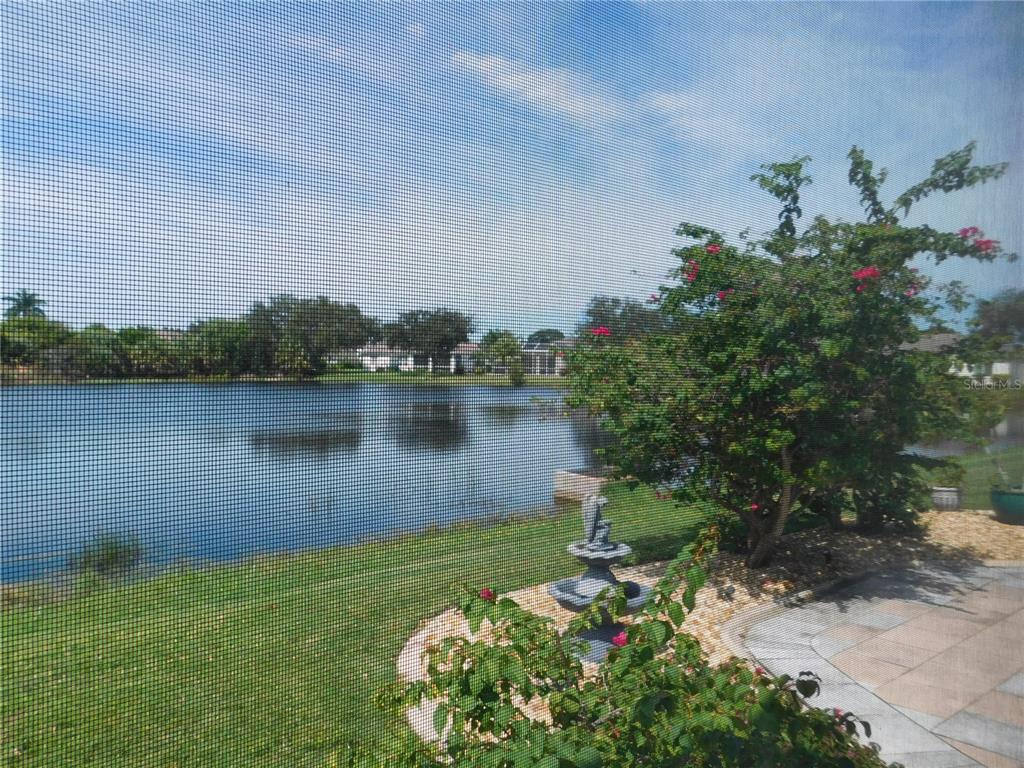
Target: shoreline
x=355, y=377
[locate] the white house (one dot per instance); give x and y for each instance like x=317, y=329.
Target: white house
x=381, y=357
x=1008, y=366
x=547, y=359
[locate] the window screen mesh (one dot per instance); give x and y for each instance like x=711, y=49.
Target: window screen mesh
x=296, y=295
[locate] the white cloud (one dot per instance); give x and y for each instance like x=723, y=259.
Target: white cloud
x=556, y=91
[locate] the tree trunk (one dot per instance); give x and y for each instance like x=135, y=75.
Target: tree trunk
x=761, y=554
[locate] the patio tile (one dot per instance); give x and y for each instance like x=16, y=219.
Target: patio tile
x=1014, y=685
x=1001, y=706
x=948, y=758
x=1003, y=631
x=856, y=632
x=1016, y=620
x=827, y=647
x=921, y=718
x=964, y=612
x=935, y=636
x=1006, y=592
x=929, y=699
x=1001, y=738
x=851, y=697
x=939, y=624
x=829, y=674
x=994, y=663
x=787, y=627
x=877, y=619
x=983, y=756
x=940, y=673
x=866, y=670
x=908, y=609
x=899, y=735
x=984, y=603
x=895, y=653
x=777, y=649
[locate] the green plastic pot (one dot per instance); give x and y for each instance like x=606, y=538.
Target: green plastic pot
x=1009, y=505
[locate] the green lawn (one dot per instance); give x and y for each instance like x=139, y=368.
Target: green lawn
x=271, y=662
x=441, y=379
x=353, y=376
x=979, y=469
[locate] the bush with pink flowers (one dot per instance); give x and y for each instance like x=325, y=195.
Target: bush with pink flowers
x=784, y=379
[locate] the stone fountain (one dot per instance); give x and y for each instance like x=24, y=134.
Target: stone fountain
x=598, y=554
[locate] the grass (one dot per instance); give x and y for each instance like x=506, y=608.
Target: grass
x=345, y=376
x=274, y=661
x=441, y=379
x=979, y=470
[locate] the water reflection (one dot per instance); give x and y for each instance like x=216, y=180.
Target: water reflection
x=502, y=415
x=339, y=432
x=432, y=426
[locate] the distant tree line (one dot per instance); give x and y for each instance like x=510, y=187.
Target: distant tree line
x=289, y=336
x=283, y=336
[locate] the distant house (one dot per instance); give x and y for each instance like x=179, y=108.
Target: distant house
x=547, y=359
x=170, y=334
x=381, y=357
x=464, y=357
x=1009, y=365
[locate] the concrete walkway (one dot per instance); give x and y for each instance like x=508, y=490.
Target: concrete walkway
x=932, y=657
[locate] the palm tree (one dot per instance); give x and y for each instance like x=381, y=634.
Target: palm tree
x=24, y=304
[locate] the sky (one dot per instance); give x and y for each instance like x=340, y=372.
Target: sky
x=168, y=162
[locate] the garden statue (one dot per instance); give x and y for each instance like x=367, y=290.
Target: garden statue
x=595, y=528
x=598, y=554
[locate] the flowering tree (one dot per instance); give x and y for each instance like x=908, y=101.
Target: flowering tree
x=786, y=379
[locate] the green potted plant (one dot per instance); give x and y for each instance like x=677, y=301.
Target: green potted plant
x=1007, y=499
x=947, y=492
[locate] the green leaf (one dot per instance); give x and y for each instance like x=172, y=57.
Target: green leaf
x=689, y=600
x=588, y=757
x=675, y=612
x=440, y=718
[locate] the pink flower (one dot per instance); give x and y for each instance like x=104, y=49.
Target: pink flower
x=759, y=670
x=620, y=640
x=713, y=249
x=601, y=330
x=867, y=273
x=985, y=245
x=839, y=712
x=860, y=288
x=487, y=594
x=722, y=295
x=969, y=232
x=910, y=292
x=694, y=266
x=754, y=507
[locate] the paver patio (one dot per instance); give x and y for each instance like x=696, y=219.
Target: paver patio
x=932, y=657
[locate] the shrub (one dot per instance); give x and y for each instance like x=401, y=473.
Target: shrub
x=786, y=374
x=655, y=700
x=107, y=555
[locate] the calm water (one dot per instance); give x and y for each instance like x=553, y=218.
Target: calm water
x=223, y=471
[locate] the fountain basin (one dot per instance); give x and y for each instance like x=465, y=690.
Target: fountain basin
x=578, y=593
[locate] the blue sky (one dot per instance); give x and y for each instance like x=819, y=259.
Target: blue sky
x=167, y=162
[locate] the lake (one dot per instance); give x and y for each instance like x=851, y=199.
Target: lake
x=217, y=472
